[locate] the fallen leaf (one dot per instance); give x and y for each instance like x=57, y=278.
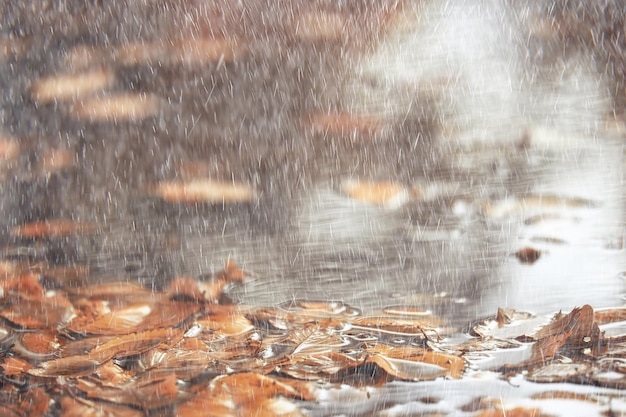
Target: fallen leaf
x=204, y=191
x=395, y=326
x=119, y=322
x=185, y=51
x=248, y=394
x=442, y=364
x=38, y=346
x=73, y=366
x=52, y=229
x=148, y=394
x=118, y=107
x=386, y=194
x=528, y=255
x=135, y=343
x=80, y=407
x=75, y=86
x=579, y=328
x=12, y=366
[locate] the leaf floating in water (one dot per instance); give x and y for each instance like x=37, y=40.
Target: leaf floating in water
x=135, y=343
x=52, y=229
x=147, y=394
x=204, y=191
x=229, y=323
x=185, y=51
x=415, y=364
x=79, y=407
x=179, y=349
x=38, y=346
x=396, y=326
x=387, y=194
x=248, y=394
x=528, y=255
x=74, y=366
x=12, y=366
x=69, y=87
x=119, y=322
x=119, y=107
x=578, y=330
x=28, y=306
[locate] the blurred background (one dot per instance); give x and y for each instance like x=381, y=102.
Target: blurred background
x=456, y=156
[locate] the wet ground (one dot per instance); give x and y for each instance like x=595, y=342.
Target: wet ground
x=495, y=131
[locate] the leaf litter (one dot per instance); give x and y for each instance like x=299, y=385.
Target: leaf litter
x=113, y=349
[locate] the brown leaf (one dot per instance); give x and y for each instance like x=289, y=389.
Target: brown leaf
x=78, y=407
x=12, y=366
x=119, y=107
x=610, y=315
x=185, y=51
x=170, y=314
x=134, y=344
x=578, y=328
x=396, y=326
x=49, y=311
x=26, y=286
x=35, y=403
x=37, y=346
x=119, y=322
x=387, y=194
x=52, y=229
x=148, y=395
x=233, y=324
x=248, y=394
x=113, y=375
x=315, y=366
x=204, y=191
x=73, y=366
x=528, y=255
x=449, y=365
x=64, y=87
x=123, y=293
x=185, y=364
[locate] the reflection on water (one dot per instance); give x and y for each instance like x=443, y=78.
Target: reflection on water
x=499, y=139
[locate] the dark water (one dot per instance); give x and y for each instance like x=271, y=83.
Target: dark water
x=506, y=117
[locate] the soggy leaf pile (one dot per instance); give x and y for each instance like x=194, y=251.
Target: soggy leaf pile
x=122, y=350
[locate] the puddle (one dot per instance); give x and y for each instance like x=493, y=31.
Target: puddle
x=415, y=158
